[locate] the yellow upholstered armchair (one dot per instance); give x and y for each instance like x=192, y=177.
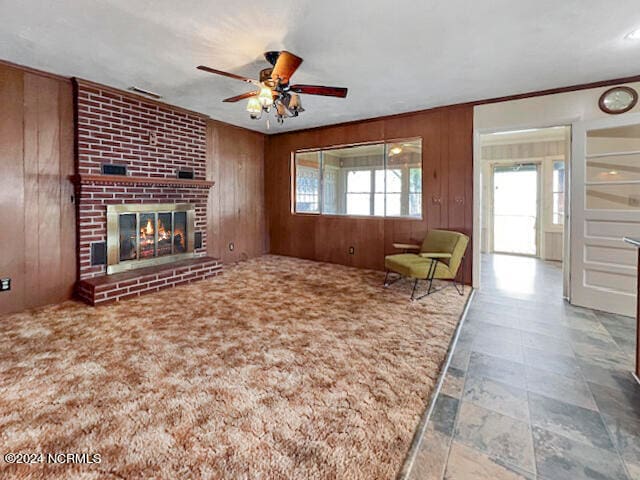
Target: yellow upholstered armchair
x=441, y=256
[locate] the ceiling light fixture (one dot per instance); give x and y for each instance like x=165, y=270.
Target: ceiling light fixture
x=395, y=150
x=635, y=35
x=274, y=88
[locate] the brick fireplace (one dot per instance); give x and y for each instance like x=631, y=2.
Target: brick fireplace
x=138, y=153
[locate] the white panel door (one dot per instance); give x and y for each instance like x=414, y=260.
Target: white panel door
x=605, y=207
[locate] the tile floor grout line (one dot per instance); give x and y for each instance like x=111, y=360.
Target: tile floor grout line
x=455, y=419
x=616, y=452
x=533, y=443
x=418, y=438
x=563, y=332
x=443, y=470
x=597, y=410
x=611, y=437
x=487, y=454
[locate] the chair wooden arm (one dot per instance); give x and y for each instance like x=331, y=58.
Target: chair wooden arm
x=435, y=255
x=406, y=246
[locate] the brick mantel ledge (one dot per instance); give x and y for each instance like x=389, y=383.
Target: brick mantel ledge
x=122, y=180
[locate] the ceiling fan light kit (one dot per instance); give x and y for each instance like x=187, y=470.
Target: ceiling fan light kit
x=274, y=89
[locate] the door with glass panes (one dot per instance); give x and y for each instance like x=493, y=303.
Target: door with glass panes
x=605, y=207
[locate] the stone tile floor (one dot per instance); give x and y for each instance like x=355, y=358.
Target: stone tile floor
x=536, y=388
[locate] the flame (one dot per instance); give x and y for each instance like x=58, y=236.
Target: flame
x=163, y=234
x=148, y=246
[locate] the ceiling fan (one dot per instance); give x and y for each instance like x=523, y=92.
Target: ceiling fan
x=274, y=88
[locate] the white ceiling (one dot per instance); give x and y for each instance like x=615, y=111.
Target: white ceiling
x=394, y=56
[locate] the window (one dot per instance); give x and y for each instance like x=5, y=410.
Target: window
x=359, y=192
x=383, y=179
x=558, y=193
x=415, y=191
x=308, y=182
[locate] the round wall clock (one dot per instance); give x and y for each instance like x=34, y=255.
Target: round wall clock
x=618, y=100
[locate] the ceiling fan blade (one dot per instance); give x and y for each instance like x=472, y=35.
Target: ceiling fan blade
x=285, y=66
x=227, y=74
x=320, y=90
x=242, y=96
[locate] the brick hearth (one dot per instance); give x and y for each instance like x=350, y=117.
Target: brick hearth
x=109, y=288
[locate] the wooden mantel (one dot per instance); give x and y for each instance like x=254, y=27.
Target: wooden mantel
x=636, y=243
x=128, y=180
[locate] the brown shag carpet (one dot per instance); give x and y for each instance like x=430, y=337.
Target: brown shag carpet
x=279, y=369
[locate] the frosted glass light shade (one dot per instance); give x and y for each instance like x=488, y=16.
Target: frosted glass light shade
x=254, y=106
x=266, y=97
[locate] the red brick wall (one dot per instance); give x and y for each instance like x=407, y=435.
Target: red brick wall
x=115, y=127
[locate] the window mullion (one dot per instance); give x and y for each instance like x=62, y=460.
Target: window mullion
x=384, y=187
x=372, y=193
x=404, y=191
x=321, y=184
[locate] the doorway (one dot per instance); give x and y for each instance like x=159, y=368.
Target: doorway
x=522, y=199
x=515, y=209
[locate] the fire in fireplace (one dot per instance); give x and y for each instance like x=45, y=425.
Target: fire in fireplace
x=144, y=235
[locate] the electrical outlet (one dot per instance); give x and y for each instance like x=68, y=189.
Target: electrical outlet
x=352, y=250
x=231, y=246
x=5, y=284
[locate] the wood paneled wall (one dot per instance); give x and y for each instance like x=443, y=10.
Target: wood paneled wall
x=235, y=161
x=37, y=215
x=250, y=205
x=447, y=161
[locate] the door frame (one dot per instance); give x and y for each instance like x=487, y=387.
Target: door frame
x=478, y=133
x=538, y=227
x=578, y=203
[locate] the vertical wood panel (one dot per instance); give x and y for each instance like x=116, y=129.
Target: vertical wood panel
x=49, y=186
x=12, y=188
x=235, y=161
x=213, y=207
x=68, y=253
x=31, y=204
x=229, y=164
x=458, y=143
x=36, y=139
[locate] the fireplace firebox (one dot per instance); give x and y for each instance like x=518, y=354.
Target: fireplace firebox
x=147, y=235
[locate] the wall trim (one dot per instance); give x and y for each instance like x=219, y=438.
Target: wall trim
x=474, y=103
x=34, y=71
